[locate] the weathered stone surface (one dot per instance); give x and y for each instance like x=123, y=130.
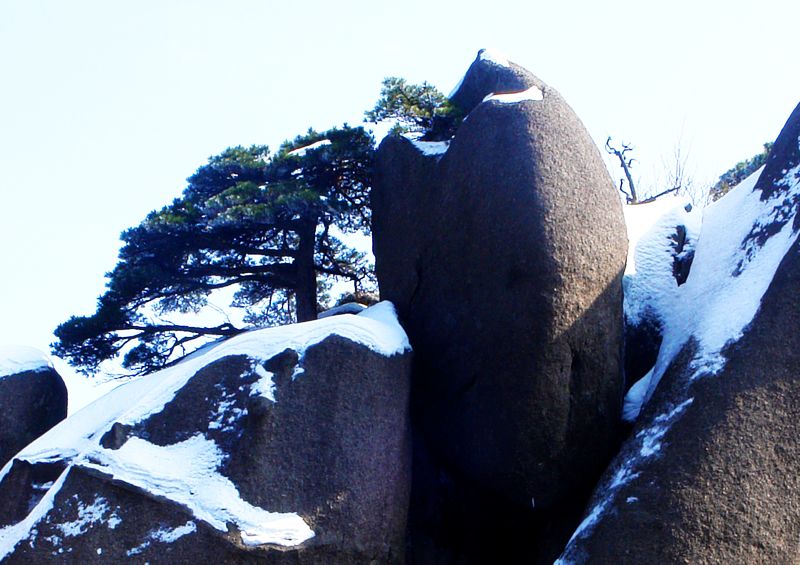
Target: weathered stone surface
x=332, y=445
x=504, y=257
x=31, y=403
x=711, y=473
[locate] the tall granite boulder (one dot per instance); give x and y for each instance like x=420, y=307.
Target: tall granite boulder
x=283, y=445
x=503, y=250
x=33, y=398
x=711, y=473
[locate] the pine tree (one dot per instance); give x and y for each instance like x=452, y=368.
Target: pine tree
x=739, y=172
x=257, y=222
x=415, y=108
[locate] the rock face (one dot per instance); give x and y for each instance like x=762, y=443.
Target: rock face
x=285, y=445
x=711, y=473
x=33, y=399
x=503, y=252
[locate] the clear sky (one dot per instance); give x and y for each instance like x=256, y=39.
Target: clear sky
x=106, y=106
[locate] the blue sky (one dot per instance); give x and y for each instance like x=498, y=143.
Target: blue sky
x=106, y=107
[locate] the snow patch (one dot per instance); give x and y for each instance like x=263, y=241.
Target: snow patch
x=431, y=148
x=226, y=414
x=533, y=93
x=635, y=398
x=493, y=56
x=347, y=308
x=15, y=359
x=651, y=437
x=722, y=294
x=186, y=472
x=87, y=516
x=265, y=385
x=164, y=536
x=301, y=151
x=169, y=536
x=649, y=281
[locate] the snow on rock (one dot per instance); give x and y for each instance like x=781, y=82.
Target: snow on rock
x=743, y=239
x=186, y=473
x=724, y=289
x=265, y=386
x=376, y=328
x=649, y=276
x=662, y=238
x=15, y=359
x=431, y=148
x=347, y=308
x=114, y=436
x=533, y=93
x=493, y=56
x=164, y=536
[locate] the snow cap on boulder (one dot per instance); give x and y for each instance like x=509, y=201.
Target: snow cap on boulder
x=283, y=444
x=33, y=398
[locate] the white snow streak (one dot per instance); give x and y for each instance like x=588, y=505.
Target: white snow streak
x=533, y=93
x=265, y=386
x=164, y=536
x=301, y=151
x=186, y=472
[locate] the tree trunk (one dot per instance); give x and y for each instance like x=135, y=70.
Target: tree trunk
x=306, y=290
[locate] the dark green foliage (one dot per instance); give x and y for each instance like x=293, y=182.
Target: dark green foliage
x=416, y=108
x=248, y=220
x=737, y=174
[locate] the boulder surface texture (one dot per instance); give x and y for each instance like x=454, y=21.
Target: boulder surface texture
x=711, y=473
x=33, y=399
x=504, y=256
x=284, y=445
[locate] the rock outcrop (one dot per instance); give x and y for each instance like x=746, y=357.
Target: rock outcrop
x=711, y=473
x=33, y=398
x=503, y=251
x=284, y=445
